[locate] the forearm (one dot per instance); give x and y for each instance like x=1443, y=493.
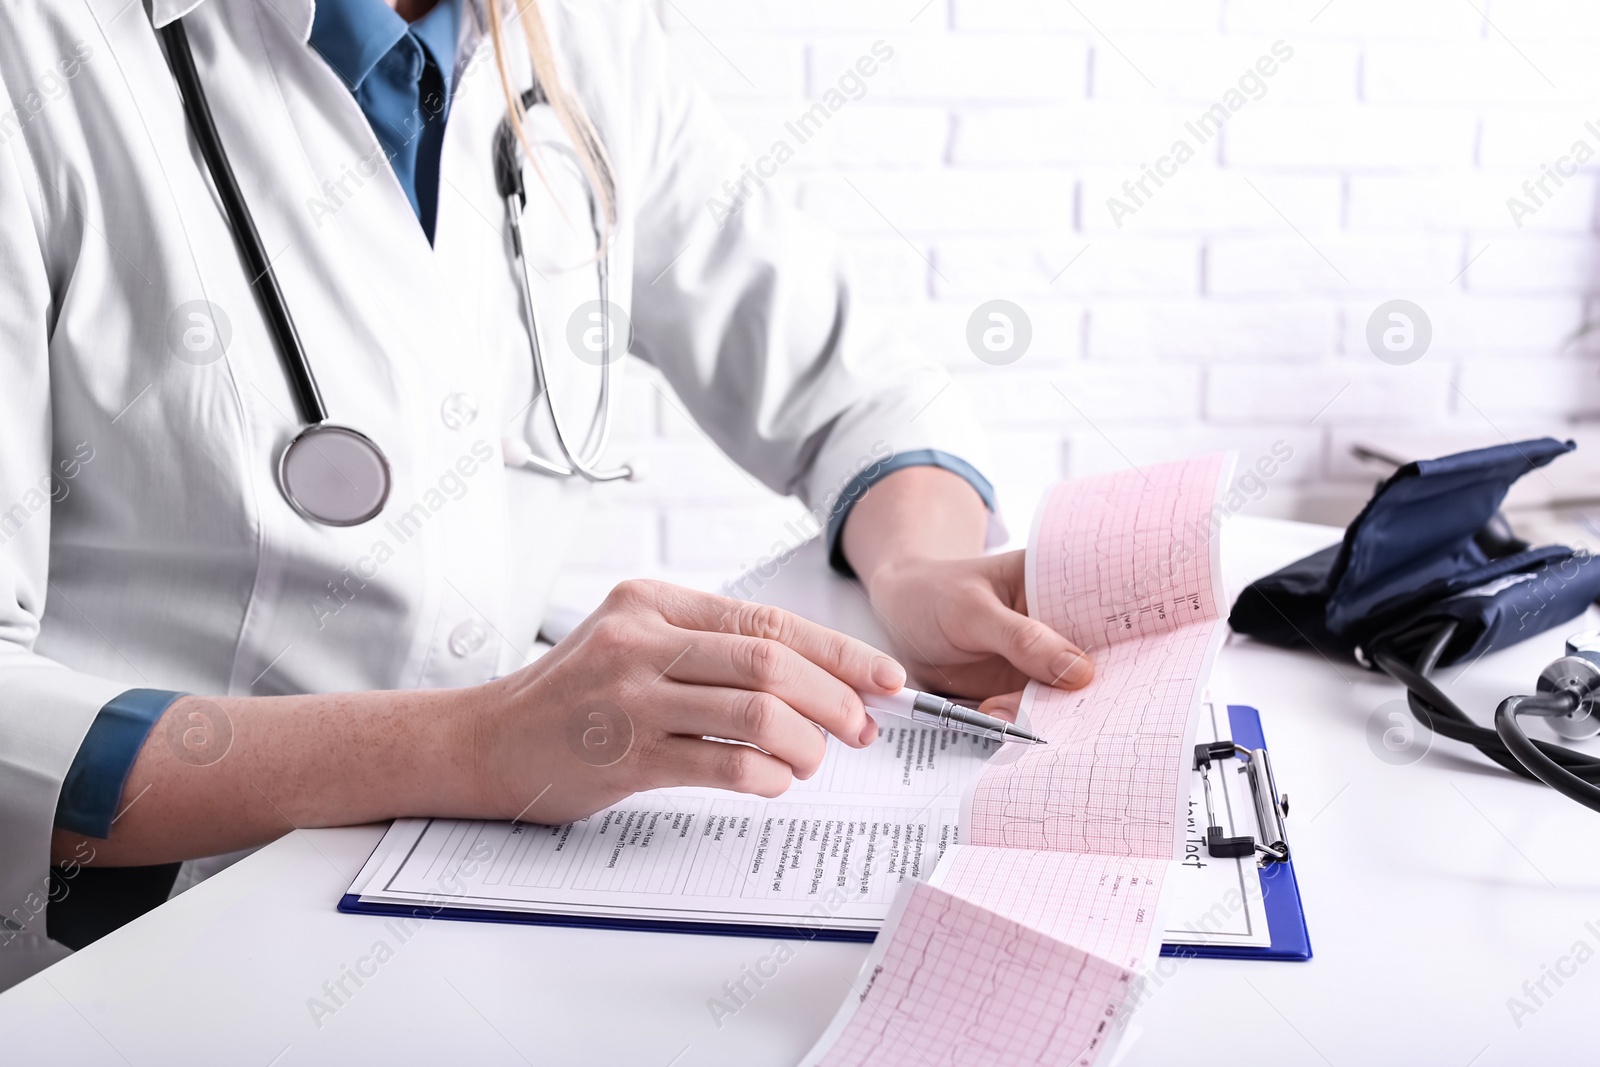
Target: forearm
x=918, y=513
x=223, y=773
x=624, y=703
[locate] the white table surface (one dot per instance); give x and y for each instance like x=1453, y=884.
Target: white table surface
x=1433, y=891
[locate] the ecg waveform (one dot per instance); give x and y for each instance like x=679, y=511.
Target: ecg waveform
x=1102, y=904
x=1109, y=780
x=1129, y=559
x=958, y=984
x=1127, y=554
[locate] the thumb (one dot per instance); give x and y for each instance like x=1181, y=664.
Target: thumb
x=1005, y=706
x=1033, y=648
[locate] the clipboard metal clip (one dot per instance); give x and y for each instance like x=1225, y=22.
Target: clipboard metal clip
x=1271, y=807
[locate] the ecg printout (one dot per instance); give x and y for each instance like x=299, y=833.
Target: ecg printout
x=1126, y=565
x=1129, y=553
x=1067, y=845
x=1106, y=905
x=955, y=984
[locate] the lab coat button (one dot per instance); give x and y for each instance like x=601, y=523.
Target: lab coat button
x=468, y=638
x=458, y=410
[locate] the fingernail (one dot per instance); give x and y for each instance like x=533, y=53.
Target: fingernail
x=1071, y=669
x=888, y=674
x=869, y=732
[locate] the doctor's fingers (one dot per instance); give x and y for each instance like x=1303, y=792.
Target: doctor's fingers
x=760, y=719
x=762, y=666
x=854, y=662
x=1028, y=644
x=677, y=760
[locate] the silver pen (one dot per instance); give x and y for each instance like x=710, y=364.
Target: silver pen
x=930, y=710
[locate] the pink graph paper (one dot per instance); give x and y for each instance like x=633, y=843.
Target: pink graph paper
x=1126, y=565
x=1023, y=947
x=1106, y=905
x=959, y=985
x=1135, y=552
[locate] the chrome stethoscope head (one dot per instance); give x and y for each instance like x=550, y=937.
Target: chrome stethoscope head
x=335, y=475
x=580, y=462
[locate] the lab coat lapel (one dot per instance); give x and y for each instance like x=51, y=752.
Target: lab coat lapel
x=297, y=13
x=260, y=392
x=355, y=209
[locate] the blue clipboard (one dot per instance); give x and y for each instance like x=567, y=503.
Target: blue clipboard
x=1281, y=892
x=352, y=904
x=1286, y=919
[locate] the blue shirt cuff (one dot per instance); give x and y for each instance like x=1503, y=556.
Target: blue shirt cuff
x=93, y=786
x=870, y=476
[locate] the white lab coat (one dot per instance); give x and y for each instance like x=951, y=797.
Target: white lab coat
x=143, y=539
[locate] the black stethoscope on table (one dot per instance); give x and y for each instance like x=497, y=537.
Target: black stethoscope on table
x=336, y=475
x=1567, y=695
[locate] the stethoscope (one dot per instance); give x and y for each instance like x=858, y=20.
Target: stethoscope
x=508, y=179
x=1567, y=696
x=337, y=475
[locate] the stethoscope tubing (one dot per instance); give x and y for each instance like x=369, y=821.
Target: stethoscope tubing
x=580, y=461
x=1566, y=771
x=263, y=279
x=1433, y=708
x=1527, y=752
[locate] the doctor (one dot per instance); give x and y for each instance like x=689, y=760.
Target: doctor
x=199, y=650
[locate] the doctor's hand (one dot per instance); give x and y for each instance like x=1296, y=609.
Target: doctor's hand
x=961, y=626
x=957, y=619
x=626, y=701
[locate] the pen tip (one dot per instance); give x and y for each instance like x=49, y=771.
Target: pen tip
x=1040, y=741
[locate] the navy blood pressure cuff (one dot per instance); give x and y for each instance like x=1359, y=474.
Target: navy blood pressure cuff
x=1424, y=550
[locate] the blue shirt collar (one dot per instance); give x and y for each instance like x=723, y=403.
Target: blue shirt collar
x=440, y=32
x=352, y=35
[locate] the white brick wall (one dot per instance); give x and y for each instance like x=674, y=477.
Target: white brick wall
x=1230, y=309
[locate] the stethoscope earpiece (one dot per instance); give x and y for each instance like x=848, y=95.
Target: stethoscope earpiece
x=515, y=451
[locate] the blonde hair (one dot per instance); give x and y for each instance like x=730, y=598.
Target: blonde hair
x=569, y=110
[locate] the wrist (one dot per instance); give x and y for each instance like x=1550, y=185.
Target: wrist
x=913, y=517
x=449, y=735
x=891, y=573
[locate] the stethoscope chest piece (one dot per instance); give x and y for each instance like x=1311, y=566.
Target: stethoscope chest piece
x=334, y=475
